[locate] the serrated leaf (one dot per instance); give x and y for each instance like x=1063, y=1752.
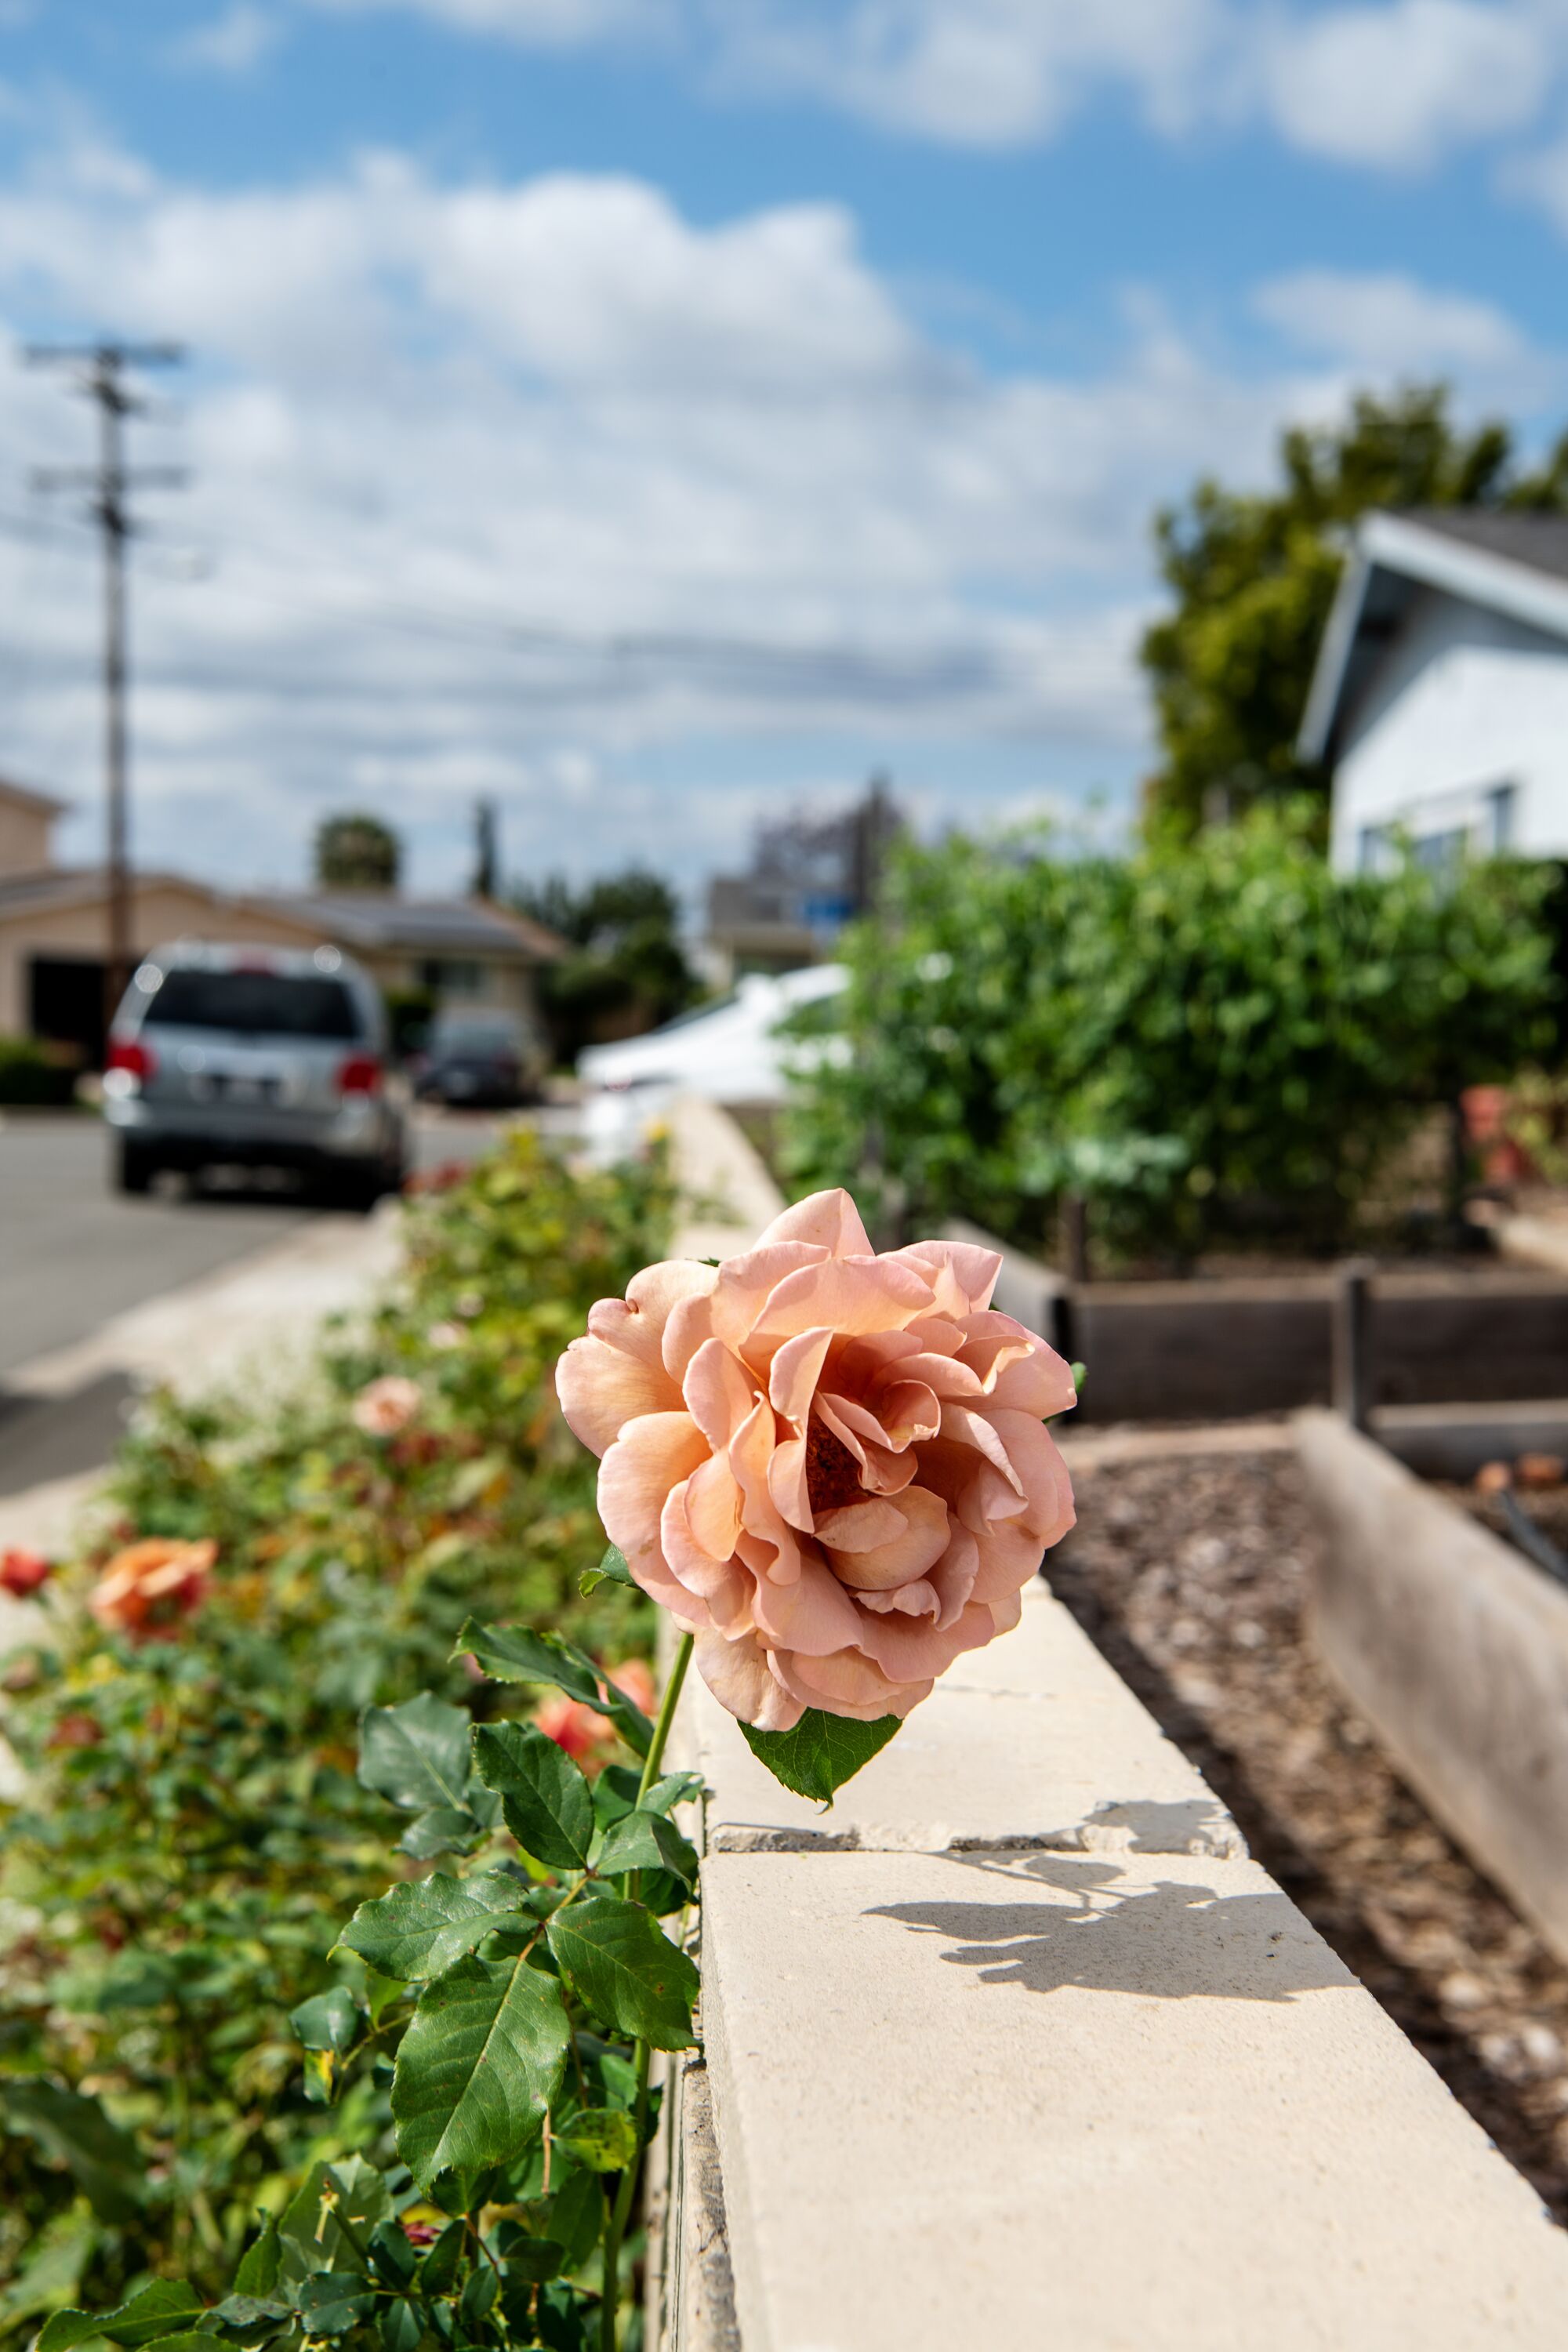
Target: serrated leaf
x=103, y=2160
x=477, y=2066
x=258, y=2272
x=401, y=2325
x=515, y=1653
x=613, y=1568
x=546, y=1802
x=623, y=1969
x=603, y=2138
x=329, y=2021
x=163, y=2308
x=416, y=1931
x=822, y=1752
x=415, y=1754
x=647, y=1841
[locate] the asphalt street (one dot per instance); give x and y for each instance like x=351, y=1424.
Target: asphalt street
x=73, y=1253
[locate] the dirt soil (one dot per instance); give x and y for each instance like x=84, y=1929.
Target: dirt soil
x=1189, y=1575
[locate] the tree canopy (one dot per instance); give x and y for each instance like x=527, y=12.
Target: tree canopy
x=1252, y=576
x=357, y=852
x=627, y=970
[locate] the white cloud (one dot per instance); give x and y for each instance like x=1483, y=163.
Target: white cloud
x=1392, y=85
x=1400, y=87
x=508, y=485
x=1390, y=324
x=233, y=43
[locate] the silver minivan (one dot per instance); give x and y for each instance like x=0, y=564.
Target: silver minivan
x=254, y=1057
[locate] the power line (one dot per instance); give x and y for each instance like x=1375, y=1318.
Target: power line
x=101, y=378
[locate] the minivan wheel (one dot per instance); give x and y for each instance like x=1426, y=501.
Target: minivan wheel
x=135, y=1169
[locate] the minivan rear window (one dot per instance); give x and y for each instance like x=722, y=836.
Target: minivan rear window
x=255, y=1003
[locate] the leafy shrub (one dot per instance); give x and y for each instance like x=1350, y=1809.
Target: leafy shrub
x=195, y=1827
x=1199, y=1041
x=31, y=1074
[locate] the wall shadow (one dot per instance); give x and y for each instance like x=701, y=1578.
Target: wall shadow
x=1175, y=1940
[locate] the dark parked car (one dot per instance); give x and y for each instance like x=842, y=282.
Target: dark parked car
x=254, y=1057
x=481, y=1058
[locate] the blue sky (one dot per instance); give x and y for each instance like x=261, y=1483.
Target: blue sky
x=652, y=412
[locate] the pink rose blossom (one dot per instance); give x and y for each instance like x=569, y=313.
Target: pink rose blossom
x=829, y=1466
x=385, y=1406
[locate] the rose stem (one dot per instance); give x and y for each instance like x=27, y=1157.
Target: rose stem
x=619, y=2213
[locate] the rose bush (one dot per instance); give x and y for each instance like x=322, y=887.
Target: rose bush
x=829, y=1466
x=194, y=1821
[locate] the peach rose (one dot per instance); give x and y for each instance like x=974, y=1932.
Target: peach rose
x=150, y=1587
x=385, y=1406
x=828, y=1465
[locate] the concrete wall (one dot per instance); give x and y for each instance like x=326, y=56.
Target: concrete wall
x=1464, y=701
x=1015, y=2046
x=1455, y=1651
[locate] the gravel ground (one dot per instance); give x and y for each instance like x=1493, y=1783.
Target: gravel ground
x=1189, y=1575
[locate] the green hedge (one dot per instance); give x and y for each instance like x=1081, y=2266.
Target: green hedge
x=30, y=1074
x=1203, y=1042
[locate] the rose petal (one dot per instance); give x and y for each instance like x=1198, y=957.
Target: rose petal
x=792, y=1382
x=918, y=1543
x=713, y=1507
x=961, y=1275
x=848, y=1682
x=860, y=1527
x=602, y=1387
x=851, y=1294
x=737, y=1673
x=650, y=1457
x=719, y=1392
x=828, y=1219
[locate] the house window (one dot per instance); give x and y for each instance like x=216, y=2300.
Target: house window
x=1502, y=818
x=455, y=976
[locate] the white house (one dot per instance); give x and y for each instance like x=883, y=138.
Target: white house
x=1441, y=698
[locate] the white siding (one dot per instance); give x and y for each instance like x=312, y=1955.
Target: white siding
x=1468, y=703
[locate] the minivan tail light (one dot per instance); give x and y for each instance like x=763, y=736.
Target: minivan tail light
x=360, y=1075
x=128, y=1065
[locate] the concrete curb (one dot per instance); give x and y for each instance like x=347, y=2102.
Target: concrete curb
x=1015, y=2046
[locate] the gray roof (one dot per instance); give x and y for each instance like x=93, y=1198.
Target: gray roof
x=434, y=926
x=1540, y=541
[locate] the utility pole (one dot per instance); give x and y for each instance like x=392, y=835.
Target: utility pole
x=102, y=378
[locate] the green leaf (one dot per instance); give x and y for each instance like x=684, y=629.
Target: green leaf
x=822, y=1752
x=477, y=2066
x=416, y=1931
x=104, y=2161
x=416, y=1754
x=332, y=2302
x=160, y=2309
x=515, y=1653
x=401, y=2325
x=612, y=1569
x=546, y=1800
x=258, y=2272
x=329, y=2021
x=624, y=1968
x=391, y=2257
x=529, y=2261
x=441, y=2263
x=603, y=2138
x=444, y=1829
x=313, y=2241
x=647, y=1841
